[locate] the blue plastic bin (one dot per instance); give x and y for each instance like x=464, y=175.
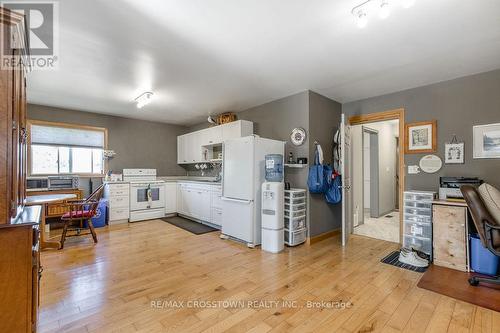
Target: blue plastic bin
x=99, y=220
x=481, y=259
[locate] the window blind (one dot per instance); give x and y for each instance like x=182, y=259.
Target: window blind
x=69, y=137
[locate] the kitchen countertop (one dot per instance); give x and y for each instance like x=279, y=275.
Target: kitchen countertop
x=199, y=180
x=203, y=180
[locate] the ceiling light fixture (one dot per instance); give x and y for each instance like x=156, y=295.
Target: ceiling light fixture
x=144, y=99
x=370, y=8
x=385, y=9
x=362, y=19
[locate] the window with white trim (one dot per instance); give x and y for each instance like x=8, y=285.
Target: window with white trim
x=66, y=149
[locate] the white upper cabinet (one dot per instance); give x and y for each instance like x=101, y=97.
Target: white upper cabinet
x=191, y=146
x=211, y=136
x=182, y=149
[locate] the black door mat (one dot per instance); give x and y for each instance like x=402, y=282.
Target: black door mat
x=188, y=225
x=392, y=259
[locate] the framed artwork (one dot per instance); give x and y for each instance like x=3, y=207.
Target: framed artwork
x=454, y=153
x=421, y=137
x=486, y=141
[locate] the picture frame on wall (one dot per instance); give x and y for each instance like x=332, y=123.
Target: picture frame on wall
x=486, y=141
x=421, y=137
x=454, y=153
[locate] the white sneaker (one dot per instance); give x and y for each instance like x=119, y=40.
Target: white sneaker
x=418, y=253
x=411, y=258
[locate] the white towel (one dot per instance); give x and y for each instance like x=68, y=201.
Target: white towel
x=320, y=153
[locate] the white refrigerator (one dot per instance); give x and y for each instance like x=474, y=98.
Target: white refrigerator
x=243, y=175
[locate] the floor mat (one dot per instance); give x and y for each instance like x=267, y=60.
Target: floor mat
x=453, y=283
x=392, y=259
x=188, y=225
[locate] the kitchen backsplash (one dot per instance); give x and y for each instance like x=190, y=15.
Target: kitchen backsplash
x=213, y=170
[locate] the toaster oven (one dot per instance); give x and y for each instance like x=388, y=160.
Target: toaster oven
x=62, y=182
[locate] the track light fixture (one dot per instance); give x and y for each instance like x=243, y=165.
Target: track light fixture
x=370, y=7
x=144, y=99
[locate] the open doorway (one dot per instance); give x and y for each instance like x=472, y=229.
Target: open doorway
x=375, y=179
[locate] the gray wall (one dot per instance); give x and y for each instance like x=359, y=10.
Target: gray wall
x=324, y=119
x=137, y=143
x=457, y=105
x=276, y=120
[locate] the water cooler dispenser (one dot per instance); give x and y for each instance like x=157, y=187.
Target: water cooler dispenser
x=273, y=205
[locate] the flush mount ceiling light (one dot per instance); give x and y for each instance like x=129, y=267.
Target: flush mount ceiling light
x=370, y=8
x=384, y=10
x=144, y=99
x=362, y=20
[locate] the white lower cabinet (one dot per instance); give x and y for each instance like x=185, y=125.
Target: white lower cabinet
x=196, y=200
x=170, y=198
x=118, y=195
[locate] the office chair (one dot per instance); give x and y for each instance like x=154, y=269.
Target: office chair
x=487, y=227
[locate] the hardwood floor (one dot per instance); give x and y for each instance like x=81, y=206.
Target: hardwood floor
x=110, y=287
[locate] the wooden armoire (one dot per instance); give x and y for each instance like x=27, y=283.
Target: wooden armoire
x=19, y=236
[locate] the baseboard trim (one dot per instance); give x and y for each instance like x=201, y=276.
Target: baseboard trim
x=323, y=236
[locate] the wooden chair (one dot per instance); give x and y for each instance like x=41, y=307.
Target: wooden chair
x=81, y=211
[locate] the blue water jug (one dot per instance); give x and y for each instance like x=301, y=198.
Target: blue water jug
x=274, y=168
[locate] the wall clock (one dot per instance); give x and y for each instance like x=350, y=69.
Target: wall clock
x=298, y=136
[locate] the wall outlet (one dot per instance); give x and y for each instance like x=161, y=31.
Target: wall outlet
x=413, y=169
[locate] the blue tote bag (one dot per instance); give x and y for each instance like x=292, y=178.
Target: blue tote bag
x=316, y=179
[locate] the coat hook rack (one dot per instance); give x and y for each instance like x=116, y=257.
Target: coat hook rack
x=316, y=142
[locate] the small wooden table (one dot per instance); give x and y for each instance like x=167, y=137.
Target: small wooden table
x=44, y=200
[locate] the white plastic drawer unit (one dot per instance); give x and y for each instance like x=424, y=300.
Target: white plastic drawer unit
x=293, y=238
x=297, y=213
x=295, y=223
x=295, y=194
x=418, y=243
x=418, y=204
x=418, y=229
x=295, y=201
x=419, y=196
x=417, y=218
x=418, y=211
x=294, y=208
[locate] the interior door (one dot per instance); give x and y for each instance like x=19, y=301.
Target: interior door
x=345, y=161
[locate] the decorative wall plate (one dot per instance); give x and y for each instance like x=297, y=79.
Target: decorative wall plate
x=298, y=136
x=431, y=163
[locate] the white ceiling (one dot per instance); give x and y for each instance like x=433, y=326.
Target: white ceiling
x=203, y=57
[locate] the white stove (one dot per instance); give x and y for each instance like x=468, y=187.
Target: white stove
x=147, y=195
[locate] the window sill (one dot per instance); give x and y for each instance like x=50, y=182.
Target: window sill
x=81, y=175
